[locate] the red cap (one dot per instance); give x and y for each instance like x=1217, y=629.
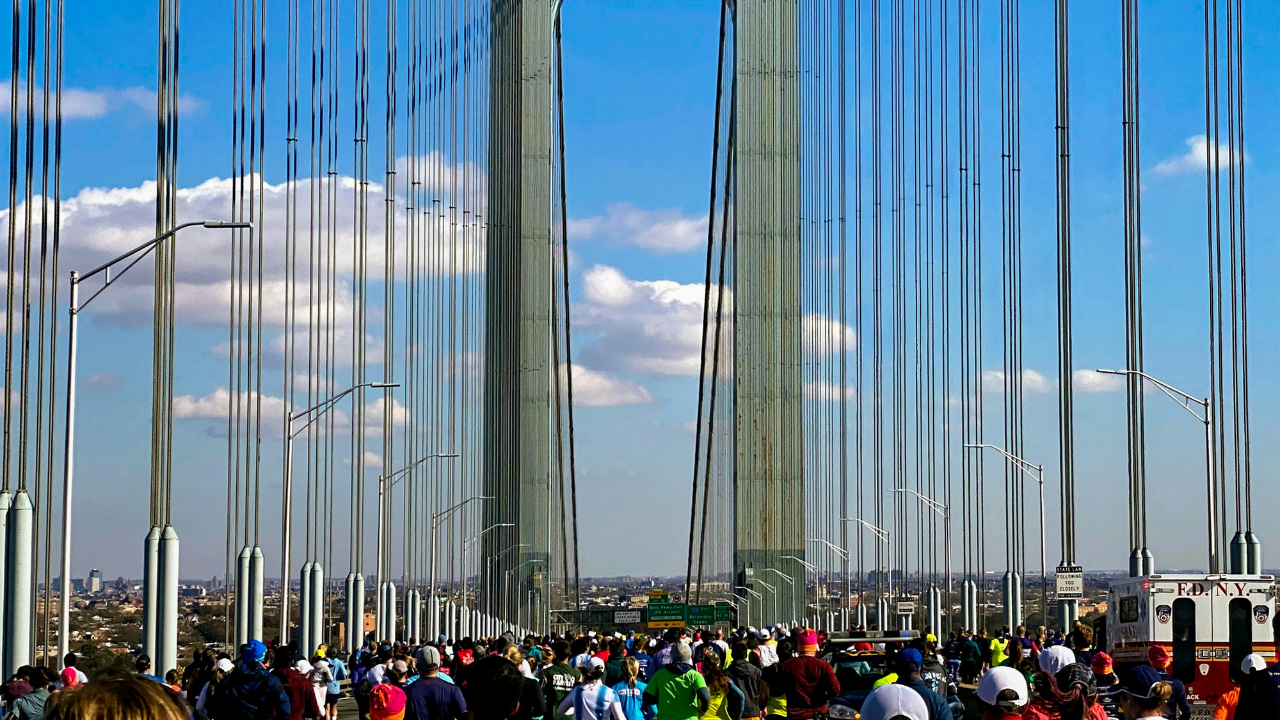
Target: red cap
x=386, y=702
x=1159, y=657
x=1101, y=664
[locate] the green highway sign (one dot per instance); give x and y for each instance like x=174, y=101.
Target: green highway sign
x=665, y=615
x=702, y=616
x=722, y=612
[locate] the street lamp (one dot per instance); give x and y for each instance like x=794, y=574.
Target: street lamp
x=466, y=545
x=840, y=553
x=1035, y=472
x=506, y=587
x=1186, y=400
x=311, y=414
x=885, y=537
x=435, y=525
x=74, y=306
x=386, y=485
x=488, y=591
x=758, y=597
x=774, y=592
x=945, y=512
x=792, y=584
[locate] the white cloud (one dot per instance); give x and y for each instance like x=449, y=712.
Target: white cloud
x=214, y=406
x=101, y=223
x=827, y=392
x=104, y=381
x=661, y=231
x=1196, y=159
x=1032, y=382
x=639, y=326
x=597, y=389
x=822, y=335
x=1092, y=381
x=83, y=103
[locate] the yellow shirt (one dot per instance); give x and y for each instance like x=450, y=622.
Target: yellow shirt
x=718, y=708
x=998, y=651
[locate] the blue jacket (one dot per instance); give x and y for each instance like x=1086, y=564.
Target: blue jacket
x=938, y=708
x=1178, y=704
x=250, y=692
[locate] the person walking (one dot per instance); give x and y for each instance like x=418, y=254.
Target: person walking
x=1143, y=694
x=302, y=698
x=678, y=691
x=1105, y=680
x=1259, y=694
x=810, y=682
x=31, y=706
x=774, y=690
x=1002, y=693
x=894, y=702
x=249, y=692
x=630, y=691
x=431, y=697
x=1160, y=659
x=909, y=663
x=726, y=700
x=998, y=648
x=592, y=700
x=205, y=699
x=1066, y=695
x=558, y=678
x=747, y=677
x=970, y=658
x=492, y=688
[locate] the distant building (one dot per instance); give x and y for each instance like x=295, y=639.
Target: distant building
x=77, y=585
x=193, y=591
x=93, y=583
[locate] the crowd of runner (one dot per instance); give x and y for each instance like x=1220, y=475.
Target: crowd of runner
x=774, y=673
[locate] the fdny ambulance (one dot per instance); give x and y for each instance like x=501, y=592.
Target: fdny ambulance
x=1209, y=623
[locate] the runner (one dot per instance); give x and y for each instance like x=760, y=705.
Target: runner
x=894, y=702
x=679, y=691
x=592, y=700
x=746, y=676
x=431, y=696
x=726, y=699
x=630, y=692
x=909, y=663
x=1160, y=659
x=1143, y=694
x=808, y=681
x=1002, y=693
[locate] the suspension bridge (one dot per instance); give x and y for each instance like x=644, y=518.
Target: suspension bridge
x=834, y=481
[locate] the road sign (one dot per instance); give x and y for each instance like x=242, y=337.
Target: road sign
x=1070, y=582
x=666, y=615
x=659, y=595
x=702, y=615
x=626, y=617
x=722, y=613
x=906, y=608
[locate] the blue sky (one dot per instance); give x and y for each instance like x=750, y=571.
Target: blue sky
x=640, y=80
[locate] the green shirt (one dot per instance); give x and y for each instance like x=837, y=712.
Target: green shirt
x=558, y=680
x=677, y=694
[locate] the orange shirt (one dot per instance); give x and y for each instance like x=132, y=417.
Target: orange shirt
x=1226, y=707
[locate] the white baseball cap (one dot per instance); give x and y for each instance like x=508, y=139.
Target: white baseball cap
x=595, y=663
x=225, y=665
x=1055, y=658
x=999, y=679
x=894, y=701
x=1253, y=663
